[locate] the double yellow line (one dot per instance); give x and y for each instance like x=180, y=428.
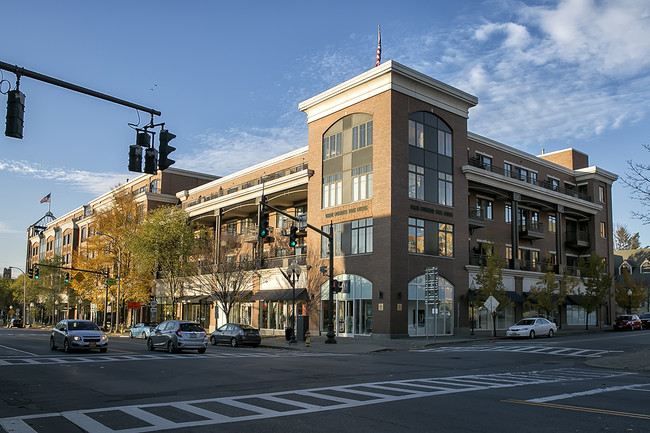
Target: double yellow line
x=580, y=409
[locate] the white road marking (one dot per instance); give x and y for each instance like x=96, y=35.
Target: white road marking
x=259, y=406
x=18, y=350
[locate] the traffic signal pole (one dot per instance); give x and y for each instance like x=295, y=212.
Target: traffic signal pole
x=330, y=238
x=22, y=72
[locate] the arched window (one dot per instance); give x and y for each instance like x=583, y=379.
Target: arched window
x=421, y=321
x=430, y=159
x=350, y=138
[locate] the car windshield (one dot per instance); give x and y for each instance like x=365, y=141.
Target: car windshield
x=625, y=318
x=82, y=326
x=645, y=316
x=526, y=322
x=191, y=327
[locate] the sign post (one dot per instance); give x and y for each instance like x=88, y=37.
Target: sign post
x=431, y=298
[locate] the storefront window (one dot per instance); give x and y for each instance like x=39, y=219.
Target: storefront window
x=422, y=320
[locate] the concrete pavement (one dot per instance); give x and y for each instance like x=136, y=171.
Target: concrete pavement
x=635, y=361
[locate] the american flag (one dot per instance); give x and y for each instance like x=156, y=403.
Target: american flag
x=378, y=46
x=46, y=199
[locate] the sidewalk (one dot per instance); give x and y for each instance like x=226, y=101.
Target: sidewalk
x=635, y=361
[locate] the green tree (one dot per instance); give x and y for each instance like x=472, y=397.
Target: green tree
x=624, y=240
x=489, y=281
x=596, y=281
x=164, y=244
x=550, y=291
x=637, y=296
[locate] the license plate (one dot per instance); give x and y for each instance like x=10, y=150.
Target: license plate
x=192, y=335
x=92, y=344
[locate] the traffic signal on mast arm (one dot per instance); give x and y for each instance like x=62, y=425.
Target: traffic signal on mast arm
x=66, y=277
x=36, y=272
x=135, y=158
x=264, y=222
x=15, y=113
x=293, y=235
x=165, y=149
x=150, y=160
x=30, y=273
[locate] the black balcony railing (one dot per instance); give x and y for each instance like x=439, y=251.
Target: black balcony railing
x=531, y=230
x=577, y=239
x=512, y=174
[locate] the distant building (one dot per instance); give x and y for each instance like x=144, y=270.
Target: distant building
x=637, y=263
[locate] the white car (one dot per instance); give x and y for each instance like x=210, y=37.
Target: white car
x=532, y=327
x=78, y=334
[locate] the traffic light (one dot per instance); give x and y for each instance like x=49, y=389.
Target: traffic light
x=36, y=273
x=337, y=286
x=264, y=222
x=30, y=273
x=165, y=149
x=135, y=158
x=15, y=113
x=150, y=160
x=293, y=235
x=66, y=277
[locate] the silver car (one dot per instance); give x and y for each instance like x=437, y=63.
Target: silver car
x=532, y=327
x=177, y=335
x=78, y=334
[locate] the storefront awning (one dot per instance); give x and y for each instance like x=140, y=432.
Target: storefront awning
x=192, y=299
x=278, y=295
x=515, y=297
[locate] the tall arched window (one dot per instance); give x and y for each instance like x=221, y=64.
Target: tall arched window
x=347, y=160
x=421, y=321
x=430, y=159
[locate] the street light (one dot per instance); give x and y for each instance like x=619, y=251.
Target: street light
x=293, y=269
x=24, y=294
x=119, y=271
x=629, y=301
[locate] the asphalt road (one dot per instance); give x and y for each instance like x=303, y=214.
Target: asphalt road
x=541, y=385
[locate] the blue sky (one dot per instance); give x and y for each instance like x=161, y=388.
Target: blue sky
x=228, y=76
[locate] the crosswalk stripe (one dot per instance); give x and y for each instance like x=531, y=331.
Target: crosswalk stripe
x=544, y=350
x=283, y=403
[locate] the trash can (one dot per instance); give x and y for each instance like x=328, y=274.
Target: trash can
x=302, y=326
x=287, y=332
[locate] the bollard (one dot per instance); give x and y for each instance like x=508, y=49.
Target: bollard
x=307, y=339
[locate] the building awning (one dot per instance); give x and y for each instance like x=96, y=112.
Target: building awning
x=278, y=295
x=515, y=297
x=573, y=300
x=192, y=299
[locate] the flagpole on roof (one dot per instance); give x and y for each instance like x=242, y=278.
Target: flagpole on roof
x=378, y=45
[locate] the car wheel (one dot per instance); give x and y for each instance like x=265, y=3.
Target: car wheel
x=213, y=341
x=150, y=344
x=170, y=347
x=144, y=335
x=233, y=342
x=52, y=345
x=532, y=334
x=130, y=334
x=103, y=349
x=551, y=333
x=66, y=346
x=201, y=350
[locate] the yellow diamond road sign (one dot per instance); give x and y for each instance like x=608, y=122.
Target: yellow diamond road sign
x=79, y=277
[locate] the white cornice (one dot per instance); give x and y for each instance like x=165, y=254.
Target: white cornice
x=182, y=195
x=581, y=174
x=388, y=76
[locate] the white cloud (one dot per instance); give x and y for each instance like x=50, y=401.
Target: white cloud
x=94, y=183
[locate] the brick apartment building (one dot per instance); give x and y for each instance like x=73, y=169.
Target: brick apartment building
x=391, y=167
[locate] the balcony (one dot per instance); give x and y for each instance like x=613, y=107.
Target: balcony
x=531, y=231
x=577, y=239
x=476, y=162
x=476, y=218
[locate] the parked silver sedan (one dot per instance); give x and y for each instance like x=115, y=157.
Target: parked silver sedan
x=177, y=335
x=141, y=330
x=532, y=327
x=78, y=334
